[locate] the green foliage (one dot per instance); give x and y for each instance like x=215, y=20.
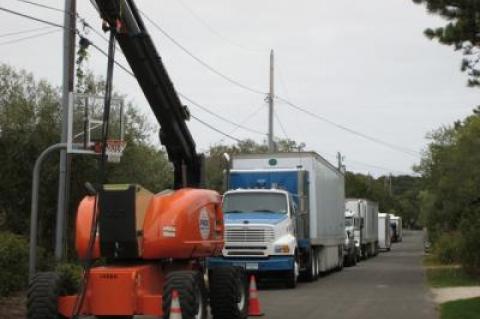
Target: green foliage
x=450, y=201
x=461, y=31
x=460, y=309
x=450, y=277
x=13, y=263
x=30, y=115
x=447, y=248
x=71, y=276
x=401, y=201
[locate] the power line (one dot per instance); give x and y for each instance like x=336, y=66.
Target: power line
x=215, y=32
x=354, y=132
x=200, y=61
x=53, y=24
x=194, y=117
x=215, y=129
x=22, y=32
x=28, y=37
x=248, y=117
x=219, y=116
x=79, y=17
x=42, y=6
x=281, y=125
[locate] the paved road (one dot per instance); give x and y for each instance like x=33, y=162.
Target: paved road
x=389, y=286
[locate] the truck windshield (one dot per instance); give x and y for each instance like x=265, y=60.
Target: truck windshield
x=349, y=221
x=255, y=202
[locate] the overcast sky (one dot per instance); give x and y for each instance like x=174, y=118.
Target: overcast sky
x=362, y=64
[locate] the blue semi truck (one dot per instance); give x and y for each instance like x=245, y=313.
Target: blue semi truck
x=284, y=216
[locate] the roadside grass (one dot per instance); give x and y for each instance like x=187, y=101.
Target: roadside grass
x=431, y=260
x=461, y=309
x=450, y=277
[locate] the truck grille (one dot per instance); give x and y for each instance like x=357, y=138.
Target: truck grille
x=235, y=235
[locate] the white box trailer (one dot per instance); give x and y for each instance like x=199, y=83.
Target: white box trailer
x=384, y=234
x=317, y=190
x=368, y=211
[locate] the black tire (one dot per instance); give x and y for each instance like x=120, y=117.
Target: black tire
x=229, y=293
x=42, y=296
x=309, y=273
x=291, y=279
x=190, y=286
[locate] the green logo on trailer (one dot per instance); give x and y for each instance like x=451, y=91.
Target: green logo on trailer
x=272, y=162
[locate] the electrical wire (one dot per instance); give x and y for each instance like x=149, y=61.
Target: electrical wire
x=200, y=61
x=53, y=24
x=215, y=129
x=219, y=116
x=34, y=36
x=194, y=117
x=215, y=32
x=281, y=125
x=43, y=6
x=22, y=32
x=349, y=130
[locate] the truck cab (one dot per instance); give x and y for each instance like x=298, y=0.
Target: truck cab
x=353, y=226
x=259, y=223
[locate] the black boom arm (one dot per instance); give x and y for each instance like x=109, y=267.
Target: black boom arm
x=139, y=49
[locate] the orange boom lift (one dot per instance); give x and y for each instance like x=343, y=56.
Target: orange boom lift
x=150, y=245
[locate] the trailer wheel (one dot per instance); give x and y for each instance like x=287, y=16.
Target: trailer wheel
x=42, y=296
x=190, y=286
x=229, y=293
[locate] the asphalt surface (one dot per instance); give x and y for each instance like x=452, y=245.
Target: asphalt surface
x=391, y=285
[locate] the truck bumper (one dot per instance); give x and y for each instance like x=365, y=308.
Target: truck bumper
x=273, y=263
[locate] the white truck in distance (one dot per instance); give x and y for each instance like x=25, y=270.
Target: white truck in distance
x=396, y=228
x=384, y=234
x=284, y=216
x=353, y=224
x=368, y=212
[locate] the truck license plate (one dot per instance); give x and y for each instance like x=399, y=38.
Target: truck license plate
x=251, y=266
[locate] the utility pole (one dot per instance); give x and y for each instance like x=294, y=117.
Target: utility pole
x=390, y=180
x=68, y=84
x=271, y=96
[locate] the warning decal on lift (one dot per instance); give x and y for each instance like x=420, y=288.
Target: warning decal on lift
x=204, y=223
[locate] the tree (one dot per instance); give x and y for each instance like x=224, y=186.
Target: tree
x=30, y=115
x=450, y=201
x=461, y=32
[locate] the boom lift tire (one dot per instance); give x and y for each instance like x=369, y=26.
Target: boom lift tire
x=42, y=296
x=190, y=286
x=229, y=293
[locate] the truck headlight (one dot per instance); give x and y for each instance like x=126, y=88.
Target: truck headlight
x=282, y=249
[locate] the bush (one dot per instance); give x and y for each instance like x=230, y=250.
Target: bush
x=470, y=253
x=70, y=276
x=13, y=263
x=447, y=248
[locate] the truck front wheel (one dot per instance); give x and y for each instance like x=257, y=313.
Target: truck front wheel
x=229, y=293
x=292, y=277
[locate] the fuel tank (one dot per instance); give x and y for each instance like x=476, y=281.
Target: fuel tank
x=182, y=224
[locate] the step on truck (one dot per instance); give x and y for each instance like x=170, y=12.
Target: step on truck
x=284, y=216
x=368, y=212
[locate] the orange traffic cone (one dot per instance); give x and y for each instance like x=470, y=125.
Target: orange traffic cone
x=175, y=309
x=253, y=301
